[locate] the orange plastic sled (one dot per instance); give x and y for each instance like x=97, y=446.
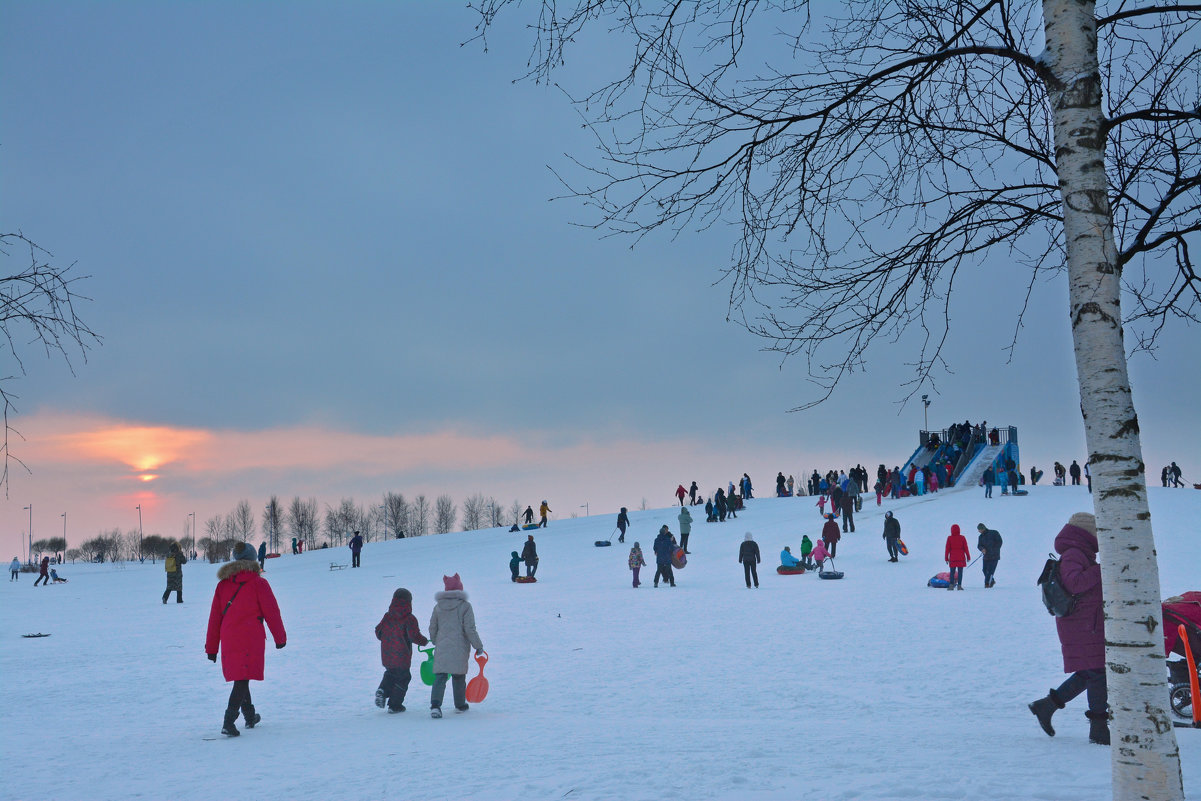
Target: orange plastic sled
x=477, y=688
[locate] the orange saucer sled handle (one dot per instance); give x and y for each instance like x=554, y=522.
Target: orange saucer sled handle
x=477, y=688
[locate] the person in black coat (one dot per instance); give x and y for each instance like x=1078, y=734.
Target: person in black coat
x=989, y=546
x=892, y=535
x=748, y=554
x=664, y=548
x=529, y=555
x=623, y=522
x=1074, y=472
x=692, y=494
x=356, y=547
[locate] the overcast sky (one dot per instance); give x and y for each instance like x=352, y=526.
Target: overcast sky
x=324, y=262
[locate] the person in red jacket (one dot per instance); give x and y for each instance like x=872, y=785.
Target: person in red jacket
x=681, y=493
x=242, y=602
x=831, y=535
x=957, y=556
x=396, y=634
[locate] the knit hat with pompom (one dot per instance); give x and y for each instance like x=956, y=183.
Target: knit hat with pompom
x=1084, y=520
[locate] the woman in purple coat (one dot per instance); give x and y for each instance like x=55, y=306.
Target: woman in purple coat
x=1082, y=633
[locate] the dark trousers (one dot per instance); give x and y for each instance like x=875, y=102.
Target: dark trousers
x=831, y=548
x=458, y=684
x=531, y=567
x=513, y=570
x=1092, y=681
x=636, y=581
x=542, y=523
x=893, y=550
x=354, y=558
x=990, y=567
x=44, y=577
x=848, y=518
x=749, y=572
x=395, y=684
x=684, y=540
x=622, y=538
x=956, y=577
x=178, y=594
x=239, y=695
x=665, y=572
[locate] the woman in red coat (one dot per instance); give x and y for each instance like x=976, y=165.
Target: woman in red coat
x=242, y=602
x=957, y=556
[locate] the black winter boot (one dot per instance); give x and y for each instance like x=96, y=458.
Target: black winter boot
x=252, y=717
x=229, y=729
x=1098, y=727
x=1044, y=708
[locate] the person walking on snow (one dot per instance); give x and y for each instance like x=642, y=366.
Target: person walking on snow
x=529, y=515
x=892, y=535
x=43, y=572
x=174, y=566
x=14, y=569
x=692, y=494
x=529, y=555
x=543, y=510
x=452, y=631
x=989, y=546
x=818, y=554
x=623, y=522
x=356, y=546
x=956, y=555
x=242, y=603
x=848, y=507
x=637, y=562
x=681, y=493
x=663, y=548
x=685, y=518
x=748, y=554
x=263, y=555
x=830, y=535
x=396, y=632
x=1082, y=633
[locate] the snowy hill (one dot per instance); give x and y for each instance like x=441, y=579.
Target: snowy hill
x=871, y=687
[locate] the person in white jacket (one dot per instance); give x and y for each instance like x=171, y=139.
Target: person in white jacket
x=452, y=631
x=14, y=569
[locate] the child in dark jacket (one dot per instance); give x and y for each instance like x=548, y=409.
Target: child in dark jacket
x=396, y=633
x=514, y=565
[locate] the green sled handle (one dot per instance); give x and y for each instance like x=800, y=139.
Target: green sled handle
x=427, y=667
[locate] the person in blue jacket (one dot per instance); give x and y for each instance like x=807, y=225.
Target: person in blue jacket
x=788, y=560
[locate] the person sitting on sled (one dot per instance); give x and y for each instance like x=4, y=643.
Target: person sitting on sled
x=56, y=578
x=788, y=560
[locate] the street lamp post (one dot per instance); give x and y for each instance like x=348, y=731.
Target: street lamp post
x=64, y=516
x=584, y=506
x=926, y=410
x=29, y=557
x=139, y=532
x=193, y=516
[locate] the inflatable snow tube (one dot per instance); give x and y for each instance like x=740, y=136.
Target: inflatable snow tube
x=830, y=574
x=940, y=581
x=679, y=559
x=602, y=543
x=790, y=571
x=525, y=580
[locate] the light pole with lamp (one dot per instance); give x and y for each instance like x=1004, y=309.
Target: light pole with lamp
x=64, y=517
x=193, y=516
x=139, y=507
x=587, y=512
x=29, y=556
x=926, y=410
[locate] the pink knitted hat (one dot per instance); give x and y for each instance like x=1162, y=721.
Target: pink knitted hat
x=452, y=582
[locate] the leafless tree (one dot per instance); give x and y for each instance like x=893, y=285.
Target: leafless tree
x=496, y=513
x=396, y=513
x=302, y=520
x=37, y=308
x=419, y=517
x=515, y=511
x=444, y=514
x=241, y=521
x=475, y=507
x=273, y=518
x=890, y=148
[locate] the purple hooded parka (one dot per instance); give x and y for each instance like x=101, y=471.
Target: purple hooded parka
x=1082, y=633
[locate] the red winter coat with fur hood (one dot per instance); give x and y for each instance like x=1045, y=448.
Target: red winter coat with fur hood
x=242, y=602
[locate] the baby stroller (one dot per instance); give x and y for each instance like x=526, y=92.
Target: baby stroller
x=1182, y=610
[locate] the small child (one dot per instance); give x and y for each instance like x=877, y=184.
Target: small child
x=806, y=550
x=818, y=554
x=636, y=562
x=56, y=578
x=821, y=505
x=514, y=564
x=397, y=632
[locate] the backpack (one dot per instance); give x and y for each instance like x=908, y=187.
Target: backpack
x=1059, y=602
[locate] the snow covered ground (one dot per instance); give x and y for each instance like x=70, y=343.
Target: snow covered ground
x=871, y=687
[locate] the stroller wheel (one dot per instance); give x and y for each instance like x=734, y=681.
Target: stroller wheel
x=1182, y=703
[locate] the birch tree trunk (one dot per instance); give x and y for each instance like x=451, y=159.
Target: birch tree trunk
x=1145, y=757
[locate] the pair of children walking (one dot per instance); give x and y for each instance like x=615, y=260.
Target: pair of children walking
x=452, y=631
